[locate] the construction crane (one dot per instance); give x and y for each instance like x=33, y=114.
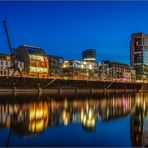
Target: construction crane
x=12, y=52
x=8, y=40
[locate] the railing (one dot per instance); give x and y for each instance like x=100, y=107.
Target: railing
x=86, y=78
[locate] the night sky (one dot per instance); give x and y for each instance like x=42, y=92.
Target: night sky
x=67, y=28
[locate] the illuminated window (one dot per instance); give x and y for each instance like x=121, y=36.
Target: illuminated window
x=37, y=58
x=82, y=66
x=90, y=66
x=8, y=58
x=38, y=69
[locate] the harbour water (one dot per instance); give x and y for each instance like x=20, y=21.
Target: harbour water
x=74, y=121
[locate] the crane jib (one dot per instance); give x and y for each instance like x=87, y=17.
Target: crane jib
x=8, y=40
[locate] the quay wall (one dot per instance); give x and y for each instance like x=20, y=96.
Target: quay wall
x=59, y=86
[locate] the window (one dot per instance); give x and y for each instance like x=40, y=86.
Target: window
x=5, y=73
x=36, y=51
x=138, y=41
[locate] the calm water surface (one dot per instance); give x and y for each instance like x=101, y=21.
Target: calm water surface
x=115, y=120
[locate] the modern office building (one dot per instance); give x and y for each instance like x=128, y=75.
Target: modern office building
x=55, y=63
x=139, y=55
x=5, y=63
x=89, y=55
x=79, y=68
x=35, y=60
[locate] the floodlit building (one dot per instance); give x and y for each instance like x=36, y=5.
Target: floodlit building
x=35, y=60
x=139, y=55
x=89, y=55
x=5, y=63
x=79, y=68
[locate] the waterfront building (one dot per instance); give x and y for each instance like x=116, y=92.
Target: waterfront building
x=79, y=68
x=109, y=70
x=35, y=60
x=89, y=55
x=5, y=63
x=139, y=55
x=55, y=63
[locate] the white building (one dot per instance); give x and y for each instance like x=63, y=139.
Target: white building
x=79, y=68
x=79, y=64
x=5, y=63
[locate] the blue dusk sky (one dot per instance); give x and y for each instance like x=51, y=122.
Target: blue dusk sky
x=67, y=28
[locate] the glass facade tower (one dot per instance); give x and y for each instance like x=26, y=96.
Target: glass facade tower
x=139, y=55
x=89, y=55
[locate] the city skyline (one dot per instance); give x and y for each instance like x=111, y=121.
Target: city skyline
x=67, y=28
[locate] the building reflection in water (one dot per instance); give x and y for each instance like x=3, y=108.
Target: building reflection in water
x=34, y=117
x=139, y=121
x=88, y=117
x=25, y=118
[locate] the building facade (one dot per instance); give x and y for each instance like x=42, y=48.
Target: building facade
x=139, y=55
x=55, y=64
x=35, y=60
x=5, y=63
x=79, y=68
x=89, y=55
x=108, y=70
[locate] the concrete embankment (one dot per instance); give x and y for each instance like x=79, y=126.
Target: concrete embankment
x=58, y=86
x=71, y=91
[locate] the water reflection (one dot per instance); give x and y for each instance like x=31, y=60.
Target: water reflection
x=31, y=118
x=139, y=114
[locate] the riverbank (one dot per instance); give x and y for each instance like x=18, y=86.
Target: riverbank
x=72, y=91
x=58, y=86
